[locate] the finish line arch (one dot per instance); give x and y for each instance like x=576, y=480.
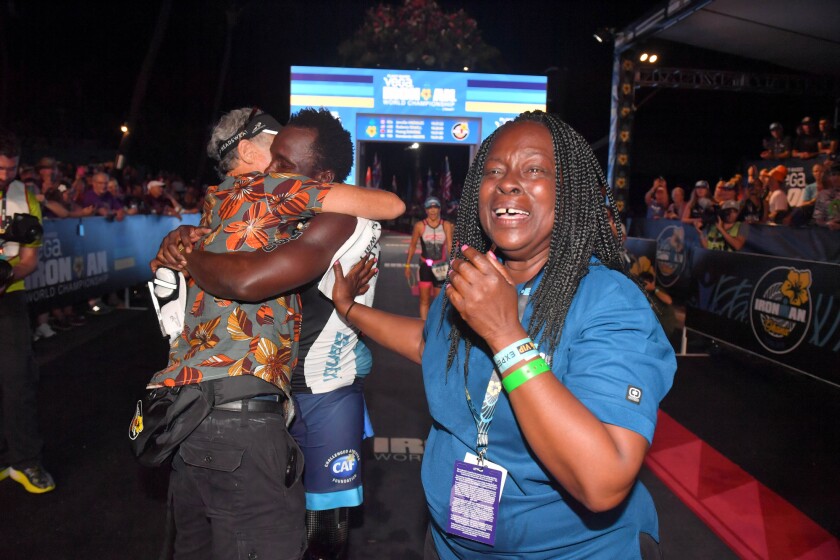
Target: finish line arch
x=408, y=106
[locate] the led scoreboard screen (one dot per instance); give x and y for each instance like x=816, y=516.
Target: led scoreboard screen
x=416, y=106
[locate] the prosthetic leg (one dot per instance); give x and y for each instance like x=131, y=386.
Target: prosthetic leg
x=326, y=534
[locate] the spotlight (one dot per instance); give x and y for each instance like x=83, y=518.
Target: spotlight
x=604, y=34
x=466, y=68
x=653, y=58
x=124, y=128
x=643, y=57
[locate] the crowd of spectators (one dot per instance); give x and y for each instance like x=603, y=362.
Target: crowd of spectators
x=67, y=190
x=763, y=196
x=809, y=143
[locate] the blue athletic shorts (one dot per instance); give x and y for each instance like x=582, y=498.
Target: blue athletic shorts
x=329, y=428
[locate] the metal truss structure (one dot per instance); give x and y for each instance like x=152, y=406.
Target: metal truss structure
x=720, y=80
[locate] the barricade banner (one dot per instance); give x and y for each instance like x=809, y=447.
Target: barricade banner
x=798, y=170
x=811, y=243
x=786, y=310
x=675, y=241
x=89, y=257
x=641, y=254
x=638, y=247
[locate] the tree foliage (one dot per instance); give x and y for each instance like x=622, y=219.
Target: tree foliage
x=419, y=35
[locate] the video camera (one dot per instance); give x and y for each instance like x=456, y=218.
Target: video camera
x=708, y=212
x=21, y=228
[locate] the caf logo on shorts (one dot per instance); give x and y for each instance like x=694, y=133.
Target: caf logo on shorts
x=670, y=255
x=343, y=465
x=780, y=308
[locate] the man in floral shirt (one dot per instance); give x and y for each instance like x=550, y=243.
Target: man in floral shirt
x=235, y=480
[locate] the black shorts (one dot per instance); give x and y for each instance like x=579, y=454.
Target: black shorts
x=427, y=276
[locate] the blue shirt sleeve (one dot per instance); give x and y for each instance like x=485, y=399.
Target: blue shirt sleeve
x=616, y=359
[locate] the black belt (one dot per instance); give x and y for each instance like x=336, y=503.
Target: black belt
x=253, y=405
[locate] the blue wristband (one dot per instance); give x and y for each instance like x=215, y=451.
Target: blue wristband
x=511, y=355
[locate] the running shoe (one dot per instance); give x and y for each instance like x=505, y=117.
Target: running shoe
x=34, y=479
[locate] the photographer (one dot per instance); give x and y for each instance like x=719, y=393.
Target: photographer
x=727, y=234
x=20, y=440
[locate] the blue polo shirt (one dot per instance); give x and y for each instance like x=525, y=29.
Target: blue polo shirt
x=611, y=341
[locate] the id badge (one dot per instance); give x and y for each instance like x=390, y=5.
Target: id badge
x=472, y=459
x=474, y=502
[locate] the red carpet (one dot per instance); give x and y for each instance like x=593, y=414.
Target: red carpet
x=751, y=519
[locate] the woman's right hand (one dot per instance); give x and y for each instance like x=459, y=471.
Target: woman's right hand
x=484, y=294
x=176, y=243
x=408, y=272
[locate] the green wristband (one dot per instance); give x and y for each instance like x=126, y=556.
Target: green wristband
x=520, y=375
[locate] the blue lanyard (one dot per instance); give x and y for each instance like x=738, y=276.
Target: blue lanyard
x=494, y=387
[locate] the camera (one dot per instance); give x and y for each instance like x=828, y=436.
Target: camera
x=709, y=215
x=169, y=297
x=21, y=228
x=7, y=272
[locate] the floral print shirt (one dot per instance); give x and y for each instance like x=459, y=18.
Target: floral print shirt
x=228, y=338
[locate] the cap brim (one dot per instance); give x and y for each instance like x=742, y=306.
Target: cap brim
x=262, y=123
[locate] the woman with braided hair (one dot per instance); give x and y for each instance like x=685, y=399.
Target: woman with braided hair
x=546, y=402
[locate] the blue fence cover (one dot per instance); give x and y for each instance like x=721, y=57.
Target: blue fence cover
x=88, y=257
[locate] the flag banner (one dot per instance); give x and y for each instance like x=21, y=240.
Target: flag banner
x=446, y=182
x=430, y=183
x=377, y=172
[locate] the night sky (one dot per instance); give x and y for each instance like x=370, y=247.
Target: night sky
x=69, y=73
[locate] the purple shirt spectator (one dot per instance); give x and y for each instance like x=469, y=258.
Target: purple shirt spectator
x=98, y=196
